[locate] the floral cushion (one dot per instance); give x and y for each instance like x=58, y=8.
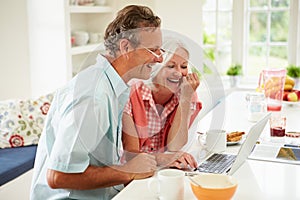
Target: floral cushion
x=22, y=121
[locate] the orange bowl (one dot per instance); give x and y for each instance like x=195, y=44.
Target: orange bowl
x=213, y=186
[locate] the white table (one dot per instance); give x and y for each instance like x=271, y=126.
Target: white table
x=257, y=179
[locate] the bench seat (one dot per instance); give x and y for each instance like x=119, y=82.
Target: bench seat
x=15, y=161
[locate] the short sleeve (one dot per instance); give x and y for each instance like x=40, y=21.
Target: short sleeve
x=79, y=131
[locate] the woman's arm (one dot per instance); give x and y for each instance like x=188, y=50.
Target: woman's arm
x=178, y=133
x=130, y=137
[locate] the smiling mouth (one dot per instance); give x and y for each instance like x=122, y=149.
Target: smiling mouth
x=173, y=80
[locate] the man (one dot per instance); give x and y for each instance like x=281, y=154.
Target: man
x=79, y=151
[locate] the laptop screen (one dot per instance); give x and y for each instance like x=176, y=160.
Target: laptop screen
x=249, y=143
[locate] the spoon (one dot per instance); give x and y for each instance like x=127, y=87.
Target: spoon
x=193, y=181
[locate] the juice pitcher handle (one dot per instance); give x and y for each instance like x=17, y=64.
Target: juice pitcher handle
x=260, y=86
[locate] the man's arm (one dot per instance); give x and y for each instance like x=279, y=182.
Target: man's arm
x=141, y=166
x=178, y=133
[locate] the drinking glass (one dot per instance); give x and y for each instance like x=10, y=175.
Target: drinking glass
x=277, y=127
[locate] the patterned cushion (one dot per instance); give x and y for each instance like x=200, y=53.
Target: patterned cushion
x=22, y=121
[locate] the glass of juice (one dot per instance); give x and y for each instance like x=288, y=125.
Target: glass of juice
x=277, y=125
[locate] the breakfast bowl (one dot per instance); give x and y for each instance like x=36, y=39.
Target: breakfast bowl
x=213, y=186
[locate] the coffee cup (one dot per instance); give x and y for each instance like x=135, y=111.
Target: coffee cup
x=168, y=184
x=215, y=140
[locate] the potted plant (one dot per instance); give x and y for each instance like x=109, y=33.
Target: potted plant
x=294, y=72
x=234, y=72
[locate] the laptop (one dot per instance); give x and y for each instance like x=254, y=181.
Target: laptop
x=220, y=163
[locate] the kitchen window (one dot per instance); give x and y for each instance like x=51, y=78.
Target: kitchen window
x=255, y=33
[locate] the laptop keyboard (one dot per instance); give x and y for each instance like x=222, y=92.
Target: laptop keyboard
x=217, y=163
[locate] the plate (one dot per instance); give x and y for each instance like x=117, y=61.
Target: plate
x=235, y=134
x=233, y=143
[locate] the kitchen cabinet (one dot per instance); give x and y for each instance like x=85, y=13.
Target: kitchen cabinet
x=88, y=19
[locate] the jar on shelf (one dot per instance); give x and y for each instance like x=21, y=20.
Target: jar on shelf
x=82, y=2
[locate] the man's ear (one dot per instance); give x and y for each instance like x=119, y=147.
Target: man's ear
x=124, y=46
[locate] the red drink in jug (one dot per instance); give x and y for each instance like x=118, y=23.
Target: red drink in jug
x=274, y=107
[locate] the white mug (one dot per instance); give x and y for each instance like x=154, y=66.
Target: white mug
x=168, y=185
x=95, y=37
x=215, y=140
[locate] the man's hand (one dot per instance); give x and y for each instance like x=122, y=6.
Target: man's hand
x=143, y=165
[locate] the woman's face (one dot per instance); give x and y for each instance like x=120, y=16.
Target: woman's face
x=170, y=76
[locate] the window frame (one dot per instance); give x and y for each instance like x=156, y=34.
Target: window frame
x=240, y=18
x=240, y=33
x=218, y=44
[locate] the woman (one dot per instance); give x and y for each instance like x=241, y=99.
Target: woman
x=159, y=112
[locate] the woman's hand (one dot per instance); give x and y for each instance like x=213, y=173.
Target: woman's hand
x=184, y=160
x=189, y=84
x=180, y=160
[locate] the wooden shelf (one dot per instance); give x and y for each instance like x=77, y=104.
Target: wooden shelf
x=87, y=48
x=90, y=9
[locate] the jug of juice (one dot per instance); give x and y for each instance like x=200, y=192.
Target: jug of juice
x=272, y=84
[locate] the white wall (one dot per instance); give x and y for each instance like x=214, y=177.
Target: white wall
x=14, y=54
x=122, y=3
x=183, y=17
x=47, y=45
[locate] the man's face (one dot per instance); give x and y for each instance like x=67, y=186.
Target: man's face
x=146, y=54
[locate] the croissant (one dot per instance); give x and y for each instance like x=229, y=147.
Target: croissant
x=235, y=136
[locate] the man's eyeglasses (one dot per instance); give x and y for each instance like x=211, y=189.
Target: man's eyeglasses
x=153, y=52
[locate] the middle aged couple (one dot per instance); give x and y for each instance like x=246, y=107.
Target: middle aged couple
x=100, y=134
